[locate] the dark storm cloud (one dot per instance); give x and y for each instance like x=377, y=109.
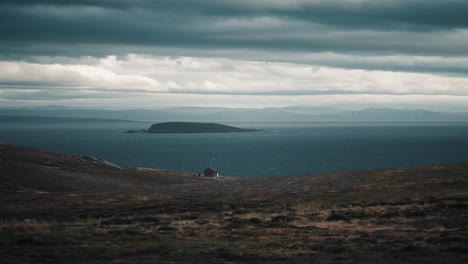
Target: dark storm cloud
x=368, y=13
x=341, y=26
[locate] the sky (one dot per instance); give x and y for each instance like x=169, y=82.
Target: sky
x=244, y=53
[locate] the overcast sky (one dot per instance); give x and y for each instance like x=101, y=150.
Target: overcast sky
x=242, y=53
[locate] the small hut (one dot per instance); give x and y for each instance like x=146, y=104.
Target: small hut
x=211, y=172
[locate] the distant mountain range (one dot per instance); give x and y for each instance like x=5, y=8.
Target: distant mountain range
x=59, y=120
x=218, y=114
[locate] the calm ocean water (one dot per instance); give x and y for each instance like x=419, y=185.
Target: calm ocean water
x=281, y=149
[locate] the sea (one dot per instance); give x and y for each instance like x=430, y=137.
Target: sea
x=279, y=149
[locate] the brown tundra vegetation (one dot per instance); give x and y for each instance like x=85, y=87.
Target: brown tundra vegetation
x=60, y=208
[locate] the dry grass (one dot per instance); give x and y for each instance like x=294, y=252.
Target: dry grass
x=391, y=216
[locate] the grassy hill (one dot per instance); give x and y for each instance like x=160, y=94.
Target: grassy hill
x=46, y=171
x=54, y=210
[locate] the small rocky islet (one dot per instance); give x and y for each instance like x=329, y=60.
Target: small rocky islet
x=190, y=127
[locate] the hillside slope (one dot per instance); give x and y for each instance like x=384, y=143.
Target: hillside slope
x=51, y=215
x=44, y=171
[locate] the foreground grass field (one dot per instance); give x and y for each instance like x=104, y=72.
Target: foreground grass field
x=57, y=208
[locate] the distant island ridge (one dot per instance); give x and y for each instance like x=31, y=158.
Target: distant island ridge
x=191, y=127
x=230, y=115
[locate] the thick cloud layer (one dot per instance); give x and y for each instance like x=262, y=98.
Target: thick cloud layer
x=426, y=27
x=65, y=50
x=157, y=77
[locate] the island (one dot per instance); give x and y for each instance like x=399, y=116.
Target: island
x=191, y=127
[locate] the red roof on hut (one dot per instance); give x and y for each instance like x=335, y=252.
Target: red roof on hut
x=210, y=172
